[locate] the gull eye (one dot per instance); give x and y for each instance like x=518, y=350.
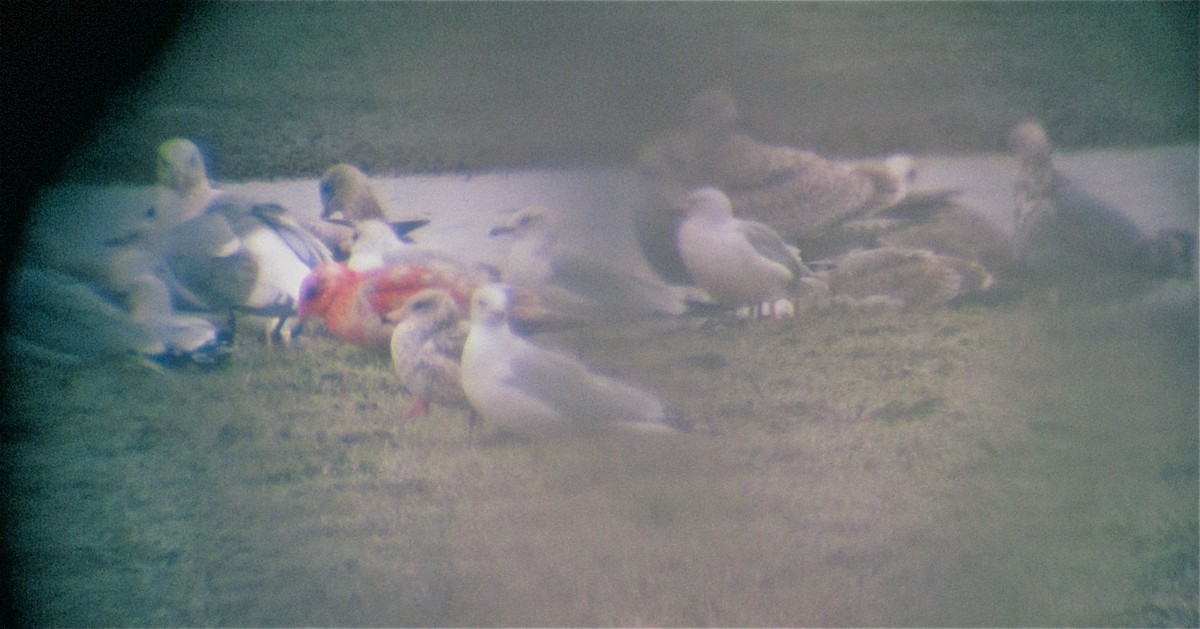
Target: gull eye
x=311, y=291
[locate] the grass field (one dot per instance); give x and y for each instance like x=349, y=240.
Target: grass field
x=966, y=467
x=1000, y=466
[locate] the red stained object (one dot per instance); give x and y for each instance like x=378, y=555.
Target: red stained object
x=355, y=304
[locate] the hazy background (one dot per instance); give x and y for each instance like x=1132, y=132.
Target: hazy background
x=974, y=467
x=286, y=89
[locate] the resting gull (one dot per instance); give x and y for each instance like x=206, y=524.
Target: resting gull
x=426, y=349
x=184, y=190
x=893, y=278
x=799, y=193
x=517, y=385
x=241, y=256
x=1069, y=241
x=226, y=253
x=185, y=338
x=347, y=201
x=375, y=244
x=58, y=319
x=740, y=263
x=573, y=284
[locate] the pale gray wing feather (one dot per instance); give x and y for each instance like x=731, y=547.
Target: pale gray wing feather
x=67, y=319
x=613, y=290
x=576, y=393
x=308, y=248
x=769, y=244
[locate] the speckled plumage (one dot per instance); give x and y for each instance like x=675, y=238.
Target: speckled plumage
x=426, y=350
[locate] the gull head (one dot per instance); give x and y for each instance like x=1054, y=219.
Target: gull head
x=429, y=309
x=902, y=167
x=489, y=306
x=707, y=202
x=345, y=189
x=529, y=220
x=318, y=289
x=712, y=112
x=181, y=166
x=1028, y=139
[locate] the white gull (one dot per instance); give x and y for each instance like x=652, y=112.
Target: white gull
x=517, y=385
x=740, y=263
x=574, y=284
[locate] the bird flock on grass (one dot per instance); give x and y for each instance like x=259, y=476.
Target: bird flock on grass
x=730, y=227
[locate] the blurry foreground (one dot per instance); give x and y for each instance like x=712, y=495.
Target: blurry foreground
x=966, y=467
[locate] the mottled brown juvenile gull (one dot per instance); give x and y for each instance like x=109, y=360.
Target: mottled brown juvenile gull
x=426, y=349
x=571, y=283
x=740, y=263
x=798, y=192
x=516, y=385
x=1067, y=240
x=347, y=200
x=892, y=278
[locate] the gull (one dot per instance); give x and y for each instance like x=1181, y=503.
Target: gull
x=426, y=349
x=185, y=338
x=347, y=201
x=59, y=319
x=740, y=263
x=225, y=253
x=516, y=385
x=1065, y=238
x=184, y=190
x=894, y=278
x=241, y=256
x=375, y=245
x=574, y=284
x=799, y=193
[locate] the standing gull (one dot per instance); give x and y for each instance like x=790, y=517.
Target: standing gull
x=426, y=348
x=740, y=263
x=517, y=385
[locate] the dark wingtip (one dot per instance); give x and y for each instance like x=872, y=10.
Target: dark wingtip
x=402, y=228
